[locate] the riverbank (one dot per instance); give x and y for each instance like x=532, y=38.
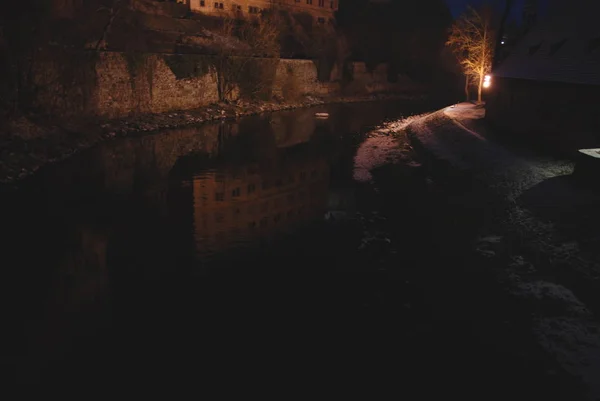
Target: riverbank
x=438, y=229
x=382, y=290
x=31, y=143
x=531, y=229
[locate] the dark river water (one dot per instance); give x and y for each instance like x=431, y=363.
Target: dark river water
x=230, y=252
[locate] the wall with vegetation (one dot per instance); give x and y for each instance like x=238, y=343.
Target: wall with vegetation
x=116, y=84
x=140, y=83
x=378, y=80
x=295, y=78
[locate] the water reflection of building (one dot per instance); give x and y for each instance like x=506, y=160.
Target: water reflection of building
x=233, y=207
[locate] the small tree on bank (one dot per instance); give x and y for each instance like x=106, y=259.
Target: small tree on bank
x=246, y=54
x=472, y=41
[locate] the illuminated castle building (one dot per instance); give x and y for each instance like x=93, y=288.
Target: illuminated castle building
x=321, y=10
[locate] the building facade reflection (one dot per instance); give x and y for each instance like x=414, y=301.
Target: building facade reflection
x=235, y=207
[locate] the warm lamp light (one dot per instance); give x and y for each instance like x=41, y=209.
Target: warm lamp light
x=487, y=81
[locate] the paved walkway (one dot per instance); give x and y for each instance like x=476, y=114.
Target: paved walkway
x=545, y=208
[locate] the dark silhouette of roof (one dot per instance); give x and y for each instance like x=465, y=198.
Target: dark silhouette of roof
x=562, y=47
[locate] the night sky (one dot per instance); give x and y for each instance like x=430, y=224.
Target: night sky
x=458, y=6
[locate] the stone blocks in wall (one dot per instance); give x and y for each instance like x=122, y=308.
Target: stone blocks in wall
x=170, y=93
x=295, y=78
x=63, y=83
x=146, y=84
x=115, y=84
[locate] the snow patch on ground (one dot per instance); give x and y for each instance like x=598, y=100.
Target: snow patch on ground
x=450, y=136
x=375, y=152
x=561, y=299
x=465, y=110
x=575, y=344
x=380, y=148
x=563, y=325
x=565, y=329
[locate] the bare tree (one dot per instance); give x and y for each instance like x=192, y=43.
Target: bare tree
x=113, y=11
x=241, y=46
x=472, y=41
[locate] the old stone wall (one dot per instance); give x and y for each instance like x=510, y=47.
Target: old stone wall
x=135, y=84
x=118, y=84
x=295, y=78
x=377, y=80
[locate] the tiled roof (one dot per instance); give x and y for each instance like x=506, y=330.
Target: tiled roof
x=562, y=47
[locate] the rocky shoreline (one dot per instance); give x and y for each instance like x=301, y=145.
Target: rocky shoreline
x=29, y=145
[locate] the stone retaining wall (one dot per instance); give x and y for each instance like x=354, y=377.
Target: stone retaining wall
x=117, y=84
x=114, y=84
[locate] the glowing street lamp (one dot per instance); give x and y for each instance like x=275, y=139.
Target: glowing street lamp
x=487, y=81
